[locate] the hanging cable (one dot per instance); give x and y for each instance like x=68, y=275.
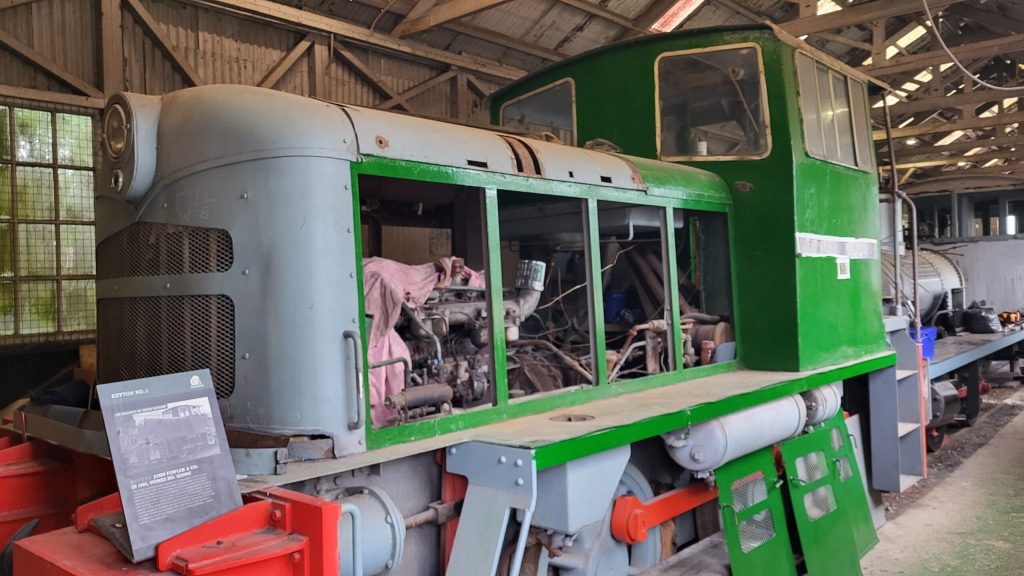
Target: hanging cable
x=938, y=36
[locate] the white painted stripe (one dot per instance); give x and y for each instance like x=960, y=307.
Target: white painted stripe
x=818, y=245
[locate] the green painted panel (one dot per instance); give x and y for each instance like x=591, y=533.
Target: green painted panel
x=850, y=494
x=796, y=314
x=754, y=517
x=826, y=537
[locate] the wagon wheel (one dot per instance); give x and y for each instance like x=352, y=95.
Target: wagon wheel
x=935, y=438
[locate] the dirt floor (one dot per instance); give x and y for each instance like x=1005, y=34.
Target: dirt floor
x=967, y=516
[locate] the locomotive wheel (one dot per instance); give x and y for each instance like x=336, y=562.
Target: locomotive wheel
x=935, y=438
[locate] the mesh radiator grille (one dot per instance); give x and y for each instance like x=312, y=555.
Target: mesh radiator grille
x=143, y=337
x=152, y=249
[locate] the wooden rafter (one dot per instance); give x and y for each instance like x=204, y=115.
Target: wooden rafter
x=839, y=39
x=111, y=46
x=439, y=14
x=5, y=4
x=1012, y=167
x=473, y=84
x=859, y=14
x=319, y=60
x=995, y=21
x=157, y=35
x=601, y=12
x=928, y=152
x=46, y=64
x=1007, y=44
x=368, y=76
x=420, y=8
x=506, y=41
x=975, y=98
x=955, y=159
x=276, y=12
x=964, y=124
x=286, y=62
x=491, y=36
x=643, y=22
x=417, y=90
x=48, y=96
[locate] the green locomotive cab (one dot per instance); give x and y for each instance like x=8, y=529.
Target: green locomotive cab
x=788, y=130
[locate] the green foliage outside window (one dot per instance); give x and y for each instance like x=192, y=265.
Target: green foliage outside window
x=47, y=232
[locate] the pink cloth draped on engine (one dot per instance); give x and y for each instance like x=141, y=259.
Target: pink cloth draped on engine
x=388, y=284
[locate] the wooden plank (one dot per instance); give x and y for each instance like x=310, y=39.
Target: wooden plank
x=157, y=35
x=416, y=90
x=286, y=62
x=54, y=97
x=268, y=10
x=46, y=64
x=375, y=82
x=859, y=14
x=965, y=124
x=437, y=15
x=983, y=49
x=111, y=46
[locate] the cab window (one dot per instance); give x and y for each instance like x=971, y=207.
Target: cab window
x=712, y=104
x=549, y=111
x=835, y=114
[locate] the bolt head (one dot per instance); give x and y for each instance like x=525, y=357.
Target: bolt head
x=245, y=195
x=245, y=356
x=452, y=450
x=502, y=460
x=519, y=462
x=167, y=285
x=520, y=481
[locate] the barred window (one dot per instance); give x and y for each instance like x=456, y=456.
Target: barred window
x=47, y=228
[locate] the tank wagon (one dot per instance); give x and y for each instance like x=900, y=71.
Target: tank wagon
x=602, y=351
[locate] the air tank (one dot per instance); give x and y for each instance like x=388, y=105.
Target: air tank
x=940, y=280
x=710, y=444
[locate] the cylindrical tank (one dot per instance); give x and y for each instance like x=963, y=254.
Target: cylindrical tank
x=823, y=402
x=710, y=444
x=938, y=277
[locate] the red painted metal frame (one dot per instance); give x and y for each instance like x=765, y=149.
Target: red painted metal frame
x=276, y=533
x=41, y=481
x=631, y=518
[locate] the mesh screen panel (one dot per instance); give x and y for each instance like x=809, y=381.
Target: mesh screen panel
x=820, y=502
x=194, y=332
x=757, y=530
x=152, y=249
x=811, y=467
x=845, y=470
x=749, y=490
x=837, y=439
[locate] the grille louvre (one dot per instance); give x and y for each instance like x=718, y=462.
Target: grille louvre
x=154, y=249
x=151, y=336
